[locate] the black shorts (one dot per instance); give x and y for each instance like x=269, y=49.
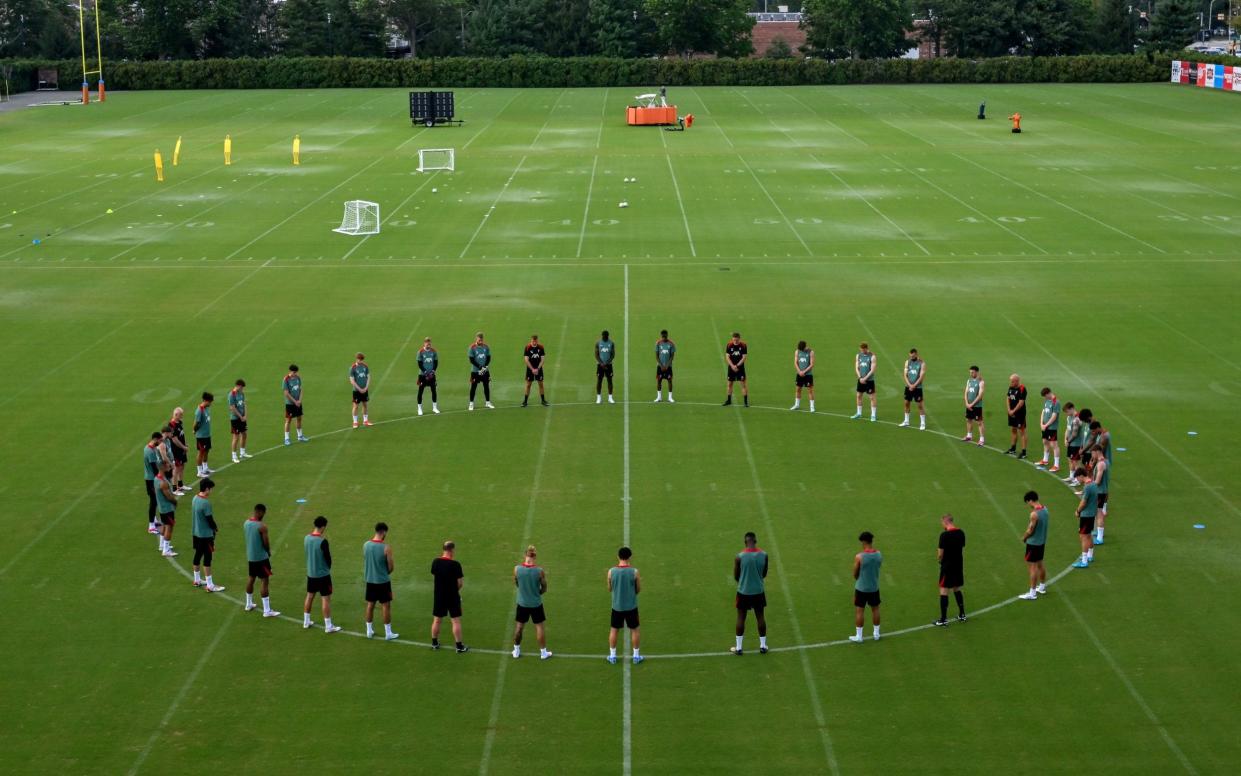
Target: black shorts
x=861, y=600
x=1051, y=434
x=867, y=386
x=1034, y=553
x=913, y=394
x=203, y=443
x=427, y=379
x=480, y=377
x=951, y=576
x=292, y=411
x=663, y=372
x=626, y=619
x=738, y=374
x=803, y=381
x=1085, y=525
x=757, y=602
x=533, y=376
x=1102, y=500
x=528, y=613
x=378, y=592
x=361, y=396
x=603, y=370
x=168, y=518
x=320, y=585
x=260, y=569
x=238, y=426
x=973, y=413
x=448, y=607
x=1017, y=421
x=1074, y=452
x=205, y=545
x=179, y=455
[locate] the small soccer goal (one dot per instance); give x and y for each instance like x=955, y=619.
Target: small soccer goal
x=436, y=159
x=361, y=217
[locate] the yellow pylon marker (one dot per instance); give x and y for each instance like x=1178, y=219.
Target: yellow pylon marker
x=159, y=167
x=176, y=153
x=228, y=150
x=297, y=150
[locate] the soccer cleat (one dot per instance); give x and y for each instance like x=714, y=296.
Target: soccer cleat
x=435, y=646
x=287, y=441
x=1042, y=462
x=515, y=653
x=875, y=637
x=420, y=410
x=525, y=402
x=961, y=618
x=545, y=655
x=762, y=650
x=545, y=402
x=367, y=423
x=1098, y=541
x=151, y=529
x=236, y=459
x=196, y=583
x=307, y=625
x=333, y=629
x=610, y=401
x=941, y=622
x=855, y=416
x=271, y=613
x=857, y=639
x=1021, y=455
x=873, y=418
x=471, y=407
x=1011, y=451
x=658, y=399
x=611, y=659
x=246, y=455
x=736, y=651
x=1081, y=564
x=1030, y=596
x=214, y=588
x=981, y=442
x=461, y=650
x=967, y=438
x=903, y=424
x=794, y=408
x=435, y=410
x=922, y=427
x=303, y=439
x=727, y=401
x=489, y=405
x=638, y=659
x=671, y=400
x=598, y=400
x=249, y=608
x=1054, y=469
x=392, y=637
x=169, y=553
x=1041, y=589
x=355, y=424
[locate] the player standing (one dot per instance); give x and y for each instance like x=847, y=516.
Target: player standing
x=202, y=433
x=1049, y=424
x=864, y=367
x=238, y=421
x=1101, y=475
x=292, y=390
x=204, y=529
x=915, y=374
x=951, y=554
x=1035, y=539
x=975, y=387
x=168, y=464
x=318, y=575
x=166, y=501
x=750, y=573
x=360, y=380
x=624, y=584
x=180, y=451
x=428, y=361
x=150, y=469
x=531, y=583
x=480, y=370
x=803, y=365
x=605, y=354
x=377, y=567
x=1016, y=415
x=735, y=355
x=665, y=351
x=258, y=555
x=1087, y=511
x=533, y=355
x=866, y=566
x=449, y=579
x=1074, y=437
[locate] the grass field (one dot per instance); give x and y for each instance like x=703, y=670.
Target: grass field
x=1096, y=253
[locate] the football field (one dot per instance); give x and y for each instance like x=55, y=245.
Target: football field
x=1095, y=254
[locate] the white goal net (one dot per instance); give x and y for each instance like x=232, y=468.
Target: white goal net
x=361, y=217
x=436, y=159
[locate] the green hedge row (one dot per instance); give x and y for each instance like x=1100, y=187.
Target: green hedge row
x=341, y=72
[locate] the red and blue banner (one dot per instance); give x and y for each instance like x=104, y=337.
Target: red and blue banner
x=1208, y=76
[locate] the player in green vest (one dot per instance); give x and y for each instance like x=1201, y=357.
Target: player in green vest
x=605, y=354
x=624, y=584
x=202, y=433
x=238, y=420
x=377, y=568
x=1049, y=424
x=866, y=565
x=360, y=381
x=864, y=367
x=1072, y=441
x=1102, y=475
x=914, y=375
x=803, y=365
x=531, y=583
x=1087, y=511
x=258, y=556
x=150, y=468
x=975, y=387
x=750, y=572
x=665, y=351
x=318, y=575
x=291, y=387
x=166, y=504
x=204, y=530
x=1035, y=540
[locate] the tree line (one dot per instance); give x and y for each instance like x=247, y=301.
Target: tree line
x=836, y=29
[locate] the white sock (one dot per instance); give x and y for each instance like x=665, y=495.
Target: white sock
x=669, y=394
x=739, y=638
x=243, y=451
x=762, y=642
x=1099, y=534
x=197, y=578
x=611, y=651
x=366, y=418
x=1032, y=592
x=249, y=599
x=162, y=544
x=387, y=629
x=370, y=629
x=859, y=409
x=859, y=632
x=210, y=581
x=435, y=405
x=1090, y=554
x=636, y=652
x=796, y=403
x=812, y=405
x=286, y=436
x=659, y=394
x=598, y=397
x=872, y=412
x=327, y=622
x=1084, y=556
x=516, y=649
x=266, y=604
x=876, y=631
x=355, y=418
x=1056, y=459
x=906, y=417
x=306, y=619
x=922, y=420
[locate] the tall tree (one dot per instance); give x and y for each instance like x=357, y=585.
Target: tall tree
x=1114, y=27
x=500, y=28
x=160, y=29
x=858, y=29
x=413, y=19
x=703, y=26
x=36, y=29
x=1053, y=27
x=566, y=28
x=978, y=28
x=621, y=28
x=1173, y=25
x=234, y=28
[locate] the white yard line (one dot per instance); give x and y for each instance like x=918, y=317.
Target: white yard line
x=44, y=375
x=491, y=210
x=581, y=238
x=1193, y=341
x=491, y=122
x=603, y=111
x=681, y=203
x=871, y=205
x=816, y=114
x=787, y=221
x=626, y=500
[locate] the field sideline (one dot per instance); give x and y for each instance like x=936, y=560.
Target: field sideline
x=1095, y=254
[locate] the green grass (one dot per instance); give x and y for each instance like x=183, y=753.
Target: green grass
x=1095, y=253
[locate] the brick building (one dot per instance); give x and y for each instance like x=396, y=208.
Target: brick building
x=769, y=26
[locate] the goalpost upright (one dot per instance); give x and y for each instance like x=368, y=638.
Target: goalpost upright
x=98, y=53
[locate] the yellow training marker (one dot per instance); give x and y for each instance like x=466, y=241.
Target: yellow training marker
x=176, y=153
x=297, y=149
x=159, y=166
x=228, y=150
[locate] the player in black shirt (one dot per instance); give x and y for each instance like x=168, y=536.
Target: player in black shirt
x=534, y=355
x=735, y=352
x=1016, y=415
x=449, y=578
x=951, y=568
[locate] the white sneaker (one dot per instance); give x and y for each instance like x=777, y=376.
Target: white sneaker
x=435, y=409
x=516, y=654
x=598, y=400
x=215, y=588
x=903, y=424
x=287, y=442
x=392, y=637
x=877, y=636
x=610, y=401
x=489, y=405
x=303, y=438
x=794, y=408
x=671, y=400
x=246, y=455
x=471, y=406
x=236, y=459
x=420, y=410
x=658, y=399
x=308, y=625
x=249, y=608
x=333, y=629
x=545, y=655
x=857, y=639
x=1031, y=596
x=922, y=427
x=169, y=554
x=1041, y=589
x=981, y=442
x=271, y=613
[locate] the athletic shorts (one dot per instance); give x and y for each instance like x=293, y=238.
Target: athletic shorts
x=663, y=372
x=913, y=394
x=179, y=455
x=206, y=545
x=603, y=370
x=626, y=619
x=378, y=592
x=1034, y=553
x=1085, y=525
x=448, y=607
x=321, y=585
x=1050, y=434
x=238, y=426
x=427, y=379
x=1075, y=452
x=533, y=376
x=529, y=613
x=757, y=602
x=292, y=411
x=168, y=518
x=361, y=396
x=973, y=413
x=738, y=374
x=480, y=377
x=951, y=576
x=260, y=569
x=867, y=386
x=1102, y=500
x=1017, y=421
x=862, y=599
x=203, y=443
x=803, y=381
